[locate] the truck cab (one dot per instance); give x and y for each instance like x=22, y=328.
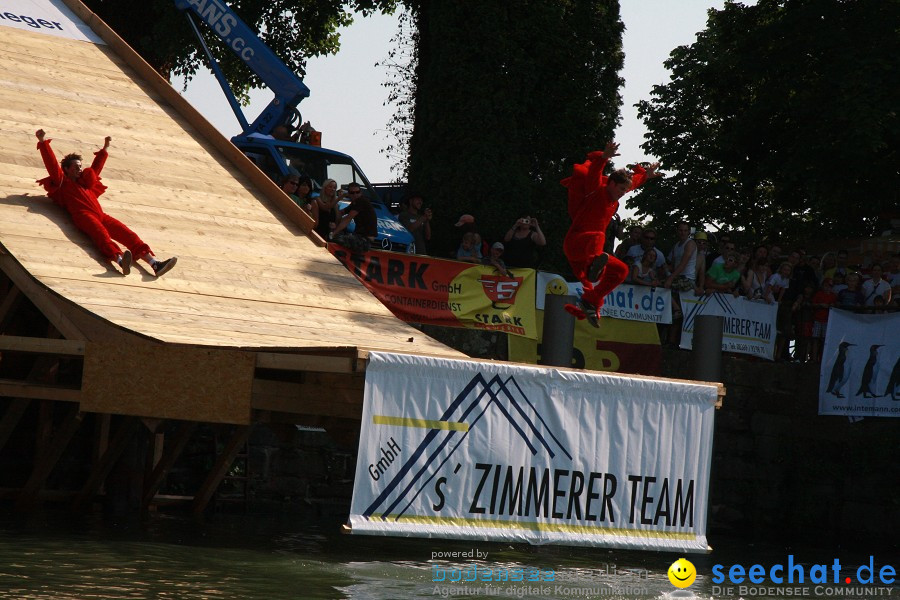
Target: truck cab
x=279, y=157
x=297, y=152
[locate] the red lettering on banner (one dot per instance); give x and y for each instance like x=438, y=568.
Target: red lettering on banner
x=503, y=327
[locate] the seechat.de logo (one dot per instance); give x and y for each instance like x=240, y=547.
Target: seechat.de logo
x=793, y=572
x=682, y=573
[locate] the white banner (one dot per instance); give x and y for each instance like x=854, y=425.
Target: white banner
x=493, y=451
x=749, y=326
x=52, y=17
x=860, y=373
x=627, y=301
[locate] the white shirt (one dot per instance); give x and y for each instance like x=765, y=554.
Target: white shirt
x=776, y=280
x=870, y=290
x=690, y=270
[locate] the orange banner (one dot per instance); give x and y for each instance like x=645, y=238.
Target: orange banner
x=421, y=289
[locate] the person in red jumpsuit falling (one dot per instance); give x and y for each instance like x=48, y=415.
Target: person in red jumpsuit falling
x=593, y=200
x=76, y=190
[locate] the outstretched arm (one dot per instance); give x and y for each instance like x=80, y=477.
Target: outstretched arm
x=642, y=175
x=100, y=156
x=597, y=163
x=50, y=162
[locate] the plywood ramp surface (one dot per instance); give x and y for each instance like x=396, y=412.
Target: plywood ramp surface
x=248, y=276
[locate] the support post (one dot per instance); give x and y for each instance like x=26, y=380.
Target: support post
x=559, y=331
x=220, y=468
x=707, y=348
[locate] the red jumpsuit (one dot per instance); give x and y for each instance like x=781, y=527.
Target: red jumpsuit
x=591, y=210
x=79, y=197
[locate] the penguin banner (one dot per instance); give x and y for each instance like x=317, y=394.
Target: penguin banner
x=860, y=373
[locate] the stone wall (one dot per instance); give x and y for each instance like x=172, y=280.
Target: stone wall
x=782, y=473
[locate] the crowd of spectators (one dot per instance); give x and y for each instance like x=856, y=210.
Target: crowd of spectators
x=520, y=247
x=804, y=286
x=331, y=221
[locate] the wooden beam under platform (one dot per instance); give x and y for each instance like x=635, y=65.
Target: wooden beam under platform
x=220, y=468
x=107, y=461
x=47, y=459
x=166, y=462
x=16, y=343
x=11, y=417
x=323, y=396
x=38, y=391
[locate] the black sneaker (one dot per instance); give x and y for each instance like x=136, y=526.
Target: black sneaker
x=597, y=266
x=162, y=267
x=590, y=313
x=125, y=262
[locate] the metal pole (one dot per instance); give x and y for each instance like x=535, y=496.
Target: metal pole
x=559, y=331
x=707, y=347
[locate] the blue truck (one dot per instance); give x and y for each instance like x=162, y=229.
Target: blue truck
x=296, y=147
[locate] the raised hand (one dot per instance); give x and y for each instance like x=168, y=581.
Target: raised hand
x=612, y=149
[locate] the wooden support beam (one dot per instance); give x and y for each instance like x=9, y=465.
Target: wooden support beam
x=332, y=399
x=47, y=459
x=16, y=343
x=39, y=297
x=11, y=418
x=220, y=468
x=38, y=391
x=305, y=362
x=11, y=302
x=103, y=467
x=101, y=436
x=167, y=461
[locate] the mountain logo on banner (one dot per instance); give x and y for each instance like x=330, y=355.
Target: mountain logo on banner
x=472, y=406
x=723, y=301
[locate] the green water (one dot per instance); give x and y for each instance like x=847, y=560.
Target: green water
x=59, y=556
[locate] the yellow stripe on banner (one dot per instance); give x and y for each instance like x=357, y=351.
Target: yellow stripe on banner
x=419, y=423
x=535, y=526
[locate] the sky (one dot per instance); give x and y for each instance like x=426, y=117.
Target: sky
x=347, y=99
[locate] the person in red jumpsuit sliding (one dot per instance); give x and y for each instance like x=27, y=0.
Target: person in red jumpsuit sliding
x=593, y=200
x=76, y=190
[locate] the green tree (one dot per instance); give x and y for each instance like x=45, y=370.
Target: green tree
x=781, y=119
x=294, y=29
x=506, y=96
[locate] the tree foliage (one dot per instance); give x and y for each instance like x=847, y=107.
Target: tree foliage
x=294, y=29
x=506, y=96
x=781, y=119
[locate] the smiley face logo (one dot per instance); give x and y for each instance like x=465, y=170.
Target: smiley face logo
x=682, y=573
x=557, y=287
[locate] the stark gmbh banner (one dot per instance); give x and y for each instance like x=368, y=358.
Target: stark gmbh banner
x=420, y=289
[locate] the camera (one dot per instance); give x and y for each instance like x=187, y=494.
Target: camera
x=526, y=221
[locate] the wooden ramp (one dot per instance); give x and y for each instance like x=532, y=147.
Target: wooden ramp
x=253, y=291
x=257, y=322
